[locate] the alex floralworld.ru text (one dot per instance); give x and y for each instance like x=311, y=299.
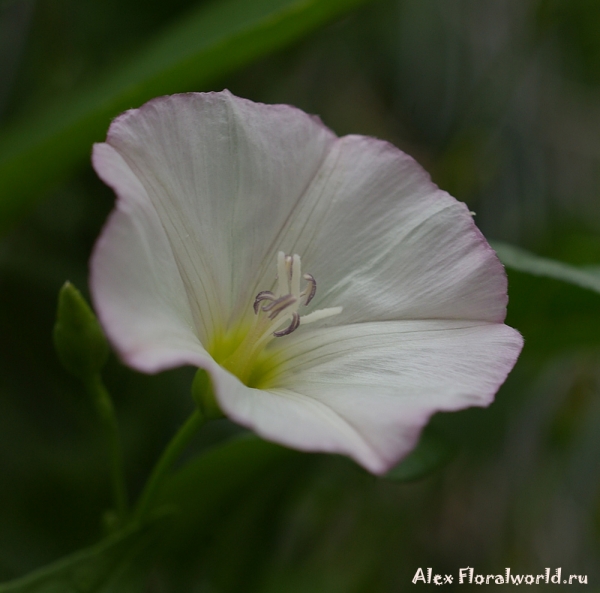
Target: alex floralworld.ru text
x=468, y=576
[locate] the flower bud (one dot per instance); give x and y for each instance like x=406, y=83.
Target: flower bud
x=78, y=337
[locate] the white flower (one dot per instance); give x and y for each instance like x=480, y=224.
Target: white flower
x=221, y=199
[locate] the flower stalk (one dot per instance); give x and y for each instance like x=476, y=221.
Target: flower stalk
x=108, y=420
x=171, y=453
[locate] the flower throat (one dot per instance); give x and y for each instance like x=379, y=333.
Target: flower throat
x=276, y=315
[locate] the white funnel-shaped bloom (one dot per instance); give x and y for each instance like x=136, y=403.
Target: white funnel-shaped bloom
x=334, y=294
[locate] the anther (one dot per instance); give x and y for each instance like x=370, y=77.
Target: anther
x=265, y=295
x=289, y=266
x=290, y=328
x=310, y=291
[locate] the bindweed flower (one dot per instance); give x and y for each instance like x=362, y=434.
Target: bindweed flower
x=336, y=297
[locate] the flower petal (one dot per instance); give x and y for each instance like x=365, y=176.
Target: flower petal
x=223, y=175
x=366, y=390
x=384, y=242
x=135, y=283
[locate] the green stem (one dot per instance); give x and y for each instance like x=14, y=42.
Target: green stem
x=174, y=449
x=106, y=412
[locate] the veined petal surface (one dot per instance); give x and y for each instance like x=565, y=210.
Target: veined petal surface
x=223, y=175
x=367, y=389
x=386, y=243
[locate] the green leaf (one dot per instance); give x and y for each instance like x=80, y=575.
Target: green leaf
x=85, y=571
x=432, y=452
x=523, y=261
x=210, y=42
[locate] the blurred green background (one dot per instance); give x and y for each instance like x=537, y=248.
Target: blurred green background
x=498, y=99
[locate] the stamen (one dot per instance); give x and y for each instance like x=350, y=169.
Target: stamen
x=310, y=291
x=292, y=327
x=320, y=314
x=265, y=295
